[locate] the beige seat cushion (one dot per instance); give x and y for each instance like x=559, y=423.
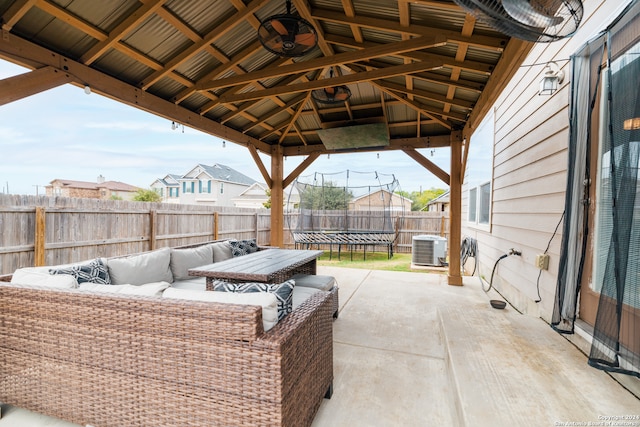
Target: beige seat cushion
x=323, y=283
x=301, y=294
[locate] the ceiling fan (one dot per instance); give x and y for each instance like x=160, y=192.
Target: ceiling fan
x=531, y=20
x=331, y=94
x=287, y=34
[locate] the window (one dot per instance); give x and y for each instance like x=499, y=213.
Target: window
x=188, y=187
x=204, y=186
x=222, y=188
x=480, y=204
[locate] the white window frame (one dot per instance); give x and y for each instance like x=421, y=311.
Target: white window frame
x=481, y=212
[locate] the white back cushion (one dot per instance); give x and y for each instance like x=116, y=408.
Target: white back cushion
x=140, y=269
x=184, y=259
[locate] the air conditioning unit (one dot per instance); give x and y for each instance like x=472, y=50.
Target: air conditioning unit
x=428, y=250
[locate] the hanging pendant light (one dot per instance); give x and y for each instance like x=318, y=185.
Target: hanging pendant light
x=287, y=35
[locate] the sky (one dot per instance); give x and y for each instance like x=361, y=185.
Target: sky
x=64, y=133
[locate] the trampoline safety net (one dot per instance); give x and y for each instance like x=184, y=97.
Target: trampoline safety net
x=352, y=210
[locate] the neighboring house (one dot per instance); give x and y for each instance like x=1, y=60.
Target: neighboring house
x=253, y=197
x=522, y=158
x=216, y=185
x=291, y=198
x=101, y=189
x=168, y=188
x=381, y=200
x=439, y=204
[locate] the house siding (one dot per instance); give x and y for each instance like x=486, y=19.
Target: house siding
x=529, y=172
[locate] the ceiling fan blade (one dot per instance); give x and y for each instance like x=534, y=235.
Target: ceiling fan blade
x=524, y=12
x=342, y=96
x=307, y=39
x=279, y=27
x=330, y=90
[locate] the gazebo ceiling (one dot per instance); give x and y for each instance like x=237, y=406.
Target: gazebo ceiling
x=422, y=68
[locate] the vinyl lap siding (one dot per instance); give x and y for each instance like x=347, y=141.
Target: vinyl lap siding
x=529, y=171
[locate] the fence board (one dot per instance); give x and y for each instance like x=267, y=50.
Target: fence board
x=81, y=229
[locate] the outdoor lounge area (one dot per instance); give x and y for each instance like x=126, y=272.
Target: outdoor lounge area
x=535, y=133
x=409, y=350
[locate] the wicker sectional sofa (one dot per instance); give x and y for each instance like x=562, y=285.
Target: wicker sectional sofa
x=117, y=359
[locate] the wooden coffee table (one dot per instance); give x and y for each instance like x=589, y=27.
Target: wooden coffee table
x=267, y=266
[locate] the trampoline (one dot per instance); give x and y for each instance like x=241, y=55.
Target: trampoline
x=351, y=210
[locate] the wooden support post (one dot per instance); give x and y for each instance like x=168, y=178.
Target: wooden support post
x=455, y=208
x=215, y=226
x=153, y=225
x=277, y=197
x=39, y=238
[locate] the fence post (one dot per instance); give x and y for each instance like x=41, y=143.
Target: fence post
x=256, y=223
x=153, y=224
x=442, y=226
x=215, y=226
x=39, y=238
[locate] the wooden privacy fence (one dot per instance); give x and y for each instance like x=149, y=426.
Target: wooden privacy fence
x=40, y=230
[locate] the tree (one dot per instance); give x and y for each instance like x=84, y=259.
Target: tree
x=149, y=195
x=422, y=199
x=267, y=204
x=327, y=197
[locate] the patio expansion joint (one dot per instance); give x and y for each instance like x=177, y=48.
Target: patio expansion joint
x=355, y=291
x=386, y=350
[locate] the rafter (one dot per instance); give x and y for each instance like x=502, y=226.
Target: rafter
x=380, y=73
x=419, y=108
x=483, y=42
x=424, y=94
x=447, y=61
x=121, y=30
x=15, y=12
x=295, y=117
x=292, y=103
x=314, y=64
x=206, y=41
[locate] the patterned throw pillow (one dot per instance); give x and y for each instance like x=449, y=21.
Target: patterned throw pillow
x=282, y=291
x=94, y=272
x=243, y=247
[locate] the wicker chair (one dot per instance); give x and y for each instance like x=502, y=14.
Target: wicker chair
x=119, y=360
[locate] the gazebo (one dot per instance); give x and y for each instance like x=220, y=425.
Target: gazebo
x=282, y=78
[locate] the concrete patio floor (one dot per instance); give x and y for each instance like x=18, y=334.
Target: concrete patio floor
x=409, y=350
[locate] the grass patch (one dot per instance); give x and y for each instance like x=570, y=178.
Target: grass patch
x=375, y=261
